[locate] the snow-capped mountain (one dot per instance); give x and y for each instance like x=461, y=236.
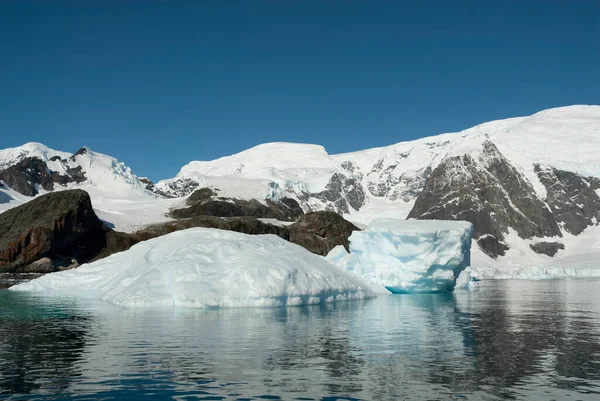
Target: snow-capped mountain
x=84, y=166
x=566, y=138
x=532, y=181
x=535, y=176
x=119, y=196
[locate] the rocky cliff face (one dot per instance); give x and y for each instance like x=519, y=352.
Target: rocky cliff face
x=54, y=231
x=31, y=173
x=573, y=199
x=490, y=193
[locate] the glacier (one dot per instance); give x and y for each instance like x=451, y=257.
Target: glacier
x=208, y=268
x=409, y=255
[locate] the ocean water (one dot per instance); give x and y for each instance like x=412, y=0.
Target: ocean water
x=509, y=340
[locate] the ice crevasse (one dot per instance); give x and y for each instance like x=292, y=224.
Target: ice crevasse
x=409, y=255
x=206, y=268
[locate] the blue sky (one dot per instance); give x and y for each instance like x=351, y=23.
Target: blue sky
x=159, y=83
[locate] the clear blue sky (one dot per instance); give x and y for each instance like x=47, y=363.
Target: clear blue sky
x=159, y=83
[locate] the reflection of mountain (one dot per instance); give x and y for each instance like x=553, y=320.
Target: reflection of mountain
x=521, y=338
x=40, y=344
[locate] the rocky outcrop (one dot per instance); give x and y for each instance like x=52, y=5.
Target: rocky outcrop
x=31, y=173
x=25, y=176
x=340, y=195
x=320, y=232
x=55, y=231
x=242, y=225
x=488, y=192
x=205, y=202
x=149, y=185
x=547, y=248
x=491, y=246
x=572, y=198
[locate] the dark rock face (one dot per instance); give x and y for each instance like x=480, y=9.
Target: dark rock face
x=320, y=232
x=342, y=192
x=203, y=202
x=489, y=193
x=491, y=246
x=547, y=248
x=148, y=183
x=53, y=231
x=241, y=225
x=571, y=197
x=31, y=172
x=200, y=196
x=24, y=176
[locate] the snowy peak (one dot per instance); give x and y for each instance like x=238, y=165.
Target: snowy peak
x=261, y=159
x=279, y=169
x=11, y=156
x=34, y=167
x=566, y=138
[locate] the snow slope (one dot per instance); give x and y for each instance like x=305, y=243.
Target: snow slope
x=207, y=268
x=117, y=195
x=391, y=177
x=396, y=173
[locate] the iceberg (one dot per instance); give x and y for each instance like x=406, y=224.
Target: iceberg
x=208, y=268
x=409, y=255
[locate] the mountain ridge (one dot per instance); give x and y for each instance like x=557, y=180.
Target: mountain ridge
x=551, y=149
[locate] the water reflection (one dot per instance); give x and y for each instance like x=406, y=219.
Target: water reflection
x=40, y=343
x=510, y=339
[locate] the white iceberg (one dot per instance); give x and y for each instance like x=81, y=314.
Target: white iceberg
x=409, y=255
x=203, y=268
x=466, y=281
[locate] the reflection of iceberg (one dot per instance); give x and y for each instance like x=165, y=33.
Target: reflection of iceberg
x=409, y=255
x=204, y=267
x=360, y=349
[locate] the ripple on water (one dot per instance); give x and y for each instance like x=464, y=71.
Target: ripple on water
x=514, y=339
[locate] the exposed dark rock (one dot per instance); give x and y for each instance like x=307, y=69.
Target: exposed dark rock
x=242, y=225
x=320, y=232
x=547, y=248
x=340, y=194
x=200, y=196
x=81, y=151
x=25, y=175
x=286, y=209
x=572, y=198
x=203, y=202
x=148, y=183
x=61, y=227
x=489, y=193
x=76, y=174
x=491, y=246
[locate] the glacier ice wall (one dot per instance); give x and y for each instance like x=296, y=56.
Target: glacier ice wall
x=410, y=255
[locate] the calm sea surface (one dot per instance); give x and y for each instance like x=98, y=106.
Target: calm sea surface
x=509, y=340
